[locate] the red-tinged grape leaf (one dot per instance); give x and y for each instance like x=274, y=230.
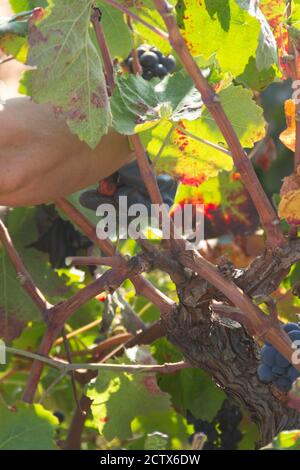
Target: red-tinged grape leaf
x=120, y=398
x=286, y=440
x=274, y=11
x=179, y=151
x=288, y=136
x=69, y=71
x=220, y=27
x=227, y=205
x=289, y=206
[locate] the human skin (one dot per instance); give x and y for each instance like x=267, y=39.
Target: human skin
x=41, y=160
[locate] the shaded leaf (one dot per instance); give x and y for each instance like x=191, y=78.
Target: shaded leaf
x=113, y=407
x=31, y=427
x=69, y=70
x=117, y=33
x=138, y=104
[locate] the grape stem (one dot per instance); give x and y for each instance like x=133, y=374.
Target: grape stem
x=135, y=17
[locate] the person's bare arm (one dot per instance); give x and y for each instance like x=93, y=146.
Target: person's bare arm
x=41, y=160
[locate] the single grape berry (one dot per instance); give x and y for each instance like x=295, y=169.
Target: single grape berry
x=149, y=59
x=283, y=383
x=278, y=370
x=268, y=354
x=157, y=52
x=281, y=361
x=141, y=50
x=148, y=74
x=290, y=327
x=265, y=373
x=160, y=71
x=293, y=374
x=169, y=62
x=60, y=416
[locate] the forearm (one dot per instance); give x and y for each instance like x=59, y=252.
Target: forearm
x=41, y=160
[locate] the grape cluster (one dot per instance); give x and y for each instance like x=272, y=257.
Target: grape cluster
x=57, y=237
x=153, y=62
x=274, y=368
x=223, y=431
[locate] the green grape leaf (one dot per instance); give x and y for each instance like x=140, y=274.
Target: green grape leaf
x=226, y=29
x=30, y=427
x=23, y=5
x=117, y=33
x=69, y=71
x=258, y=81
x=228, y=207
x=138, y=104
x=119, y=399
x=16, y=307
x=266, y=54
x=180, y=153
x=192, y=389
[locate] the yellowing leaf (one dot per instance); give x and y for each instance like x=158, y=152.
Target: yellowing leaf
x=288, y=136
x=289, y=206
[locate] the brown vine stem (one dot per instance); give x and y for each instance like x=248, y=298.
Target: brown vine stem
x=23, y=275
x=142, y=286
x=257, y=323
x=108, y=64
x=135, y=17
x=60, y=313
x=211, y=100
x=112, y=261
x=144, y=165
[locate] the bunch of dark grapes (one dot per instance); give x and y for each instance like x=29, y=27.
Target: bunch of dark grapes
x=153, y=62
x=275, y=368
x=223, y=431
x=57, y=237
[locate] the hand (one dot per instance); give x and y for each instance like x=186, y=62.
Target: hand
x=128, y=182
x=41, y=160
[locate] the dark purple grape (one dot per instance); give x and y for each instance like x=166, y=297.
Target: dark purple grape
x=169, y=62
x=157, y=52
x=60, y=416
x=293, y=373
x=160, y=71
x=278, y=370
x=283, y=383
x=265, y=373
x=148, y=74
x=141, y=50
x=268, y=354
x=295, y=336
x=149, y=59
x=291, y=327
x=281, y=361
